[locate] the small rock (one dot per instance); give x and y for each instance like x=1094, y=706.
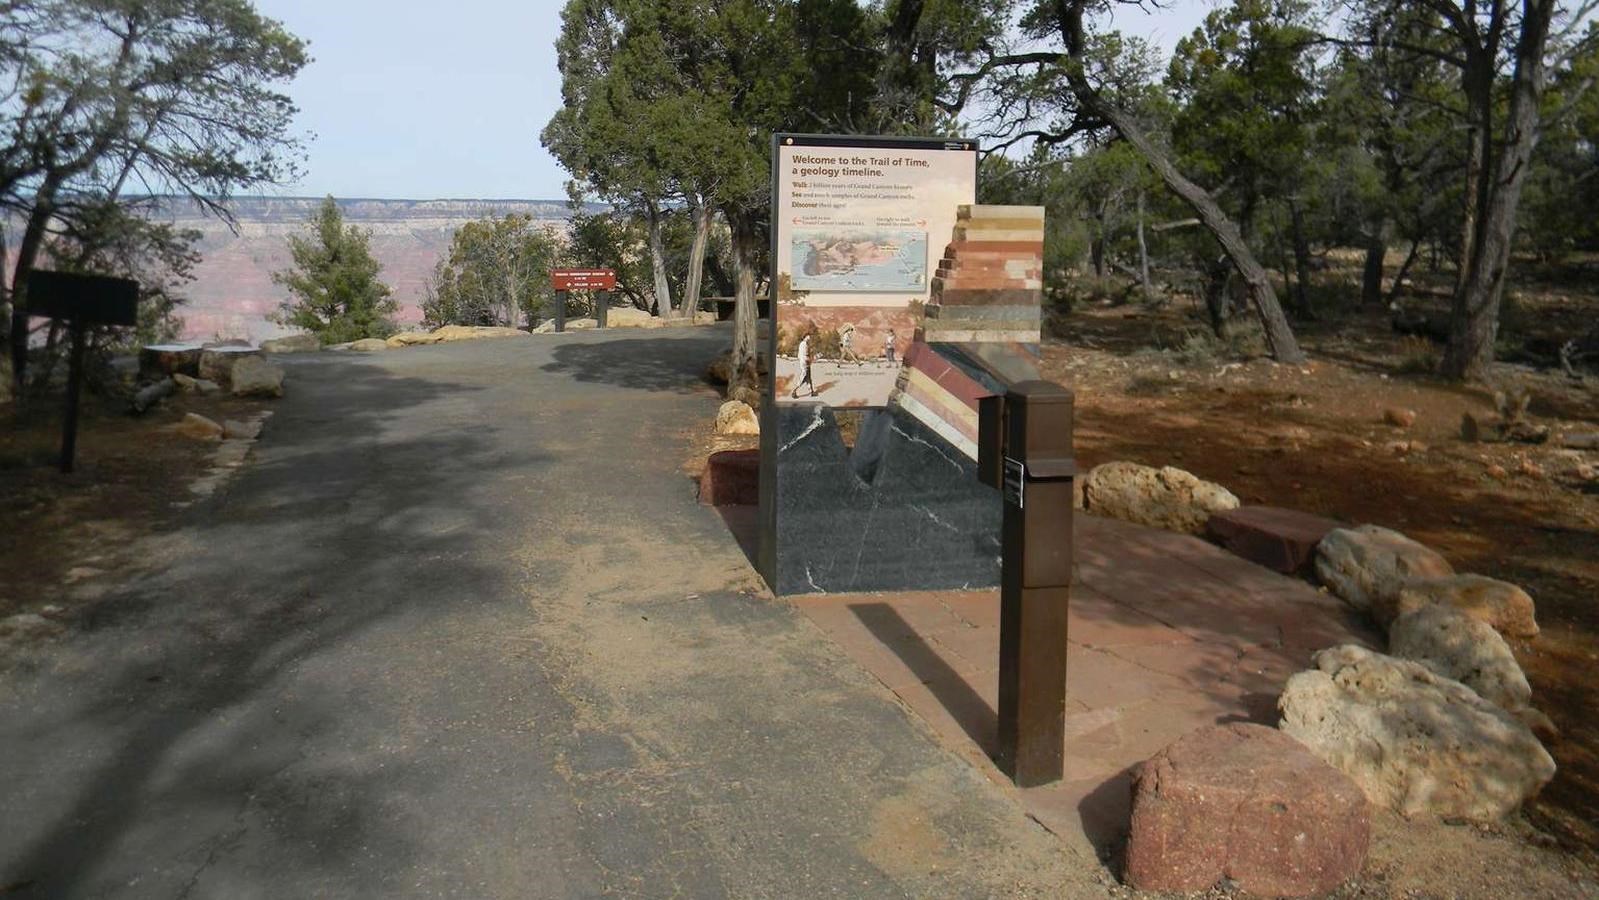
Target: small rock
x=1399, y=417
x=369, y=345
x=1246, y=804
x=1470, y=429
x=1529, y=468
x=1584, y=471
x=1496, y=472
x=737, y=418
x=1457, y=646
x=233, y=429
x=294, y=343
x=1414, y=741
x=255, y=377
x=1502, y=606
x=198, y=427
x=203, y=386
x=1162, y=498
x=28, y=625
x=1368, y=566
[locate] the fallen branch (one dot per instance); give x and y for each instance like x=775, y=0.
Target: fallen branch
x=150, y=395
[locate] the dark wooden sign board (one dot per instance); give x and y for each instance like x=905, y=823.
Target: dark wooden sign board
x=583, y=279
x=81, y=301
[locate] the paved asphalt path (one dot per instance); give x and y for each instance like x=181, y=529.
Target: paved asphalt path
x=461, y=629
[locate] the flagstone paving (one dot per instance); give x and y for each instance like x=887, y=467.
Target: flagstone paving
x=1166, y=633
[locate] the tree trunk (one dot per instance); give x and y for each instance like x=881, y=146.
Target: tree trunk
x=28, y=254
x=1474, y=320
x=1404, y=270
x=1096, y=246
x=663, y=288
x=744, y=310
x=1296, y=218
x=1279, y=335
x=696, y=256
x=1143, y=254
x=1371, y=274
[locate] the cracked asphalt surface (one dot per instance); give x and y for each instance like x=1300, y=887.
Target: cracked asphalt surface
x=461, y=629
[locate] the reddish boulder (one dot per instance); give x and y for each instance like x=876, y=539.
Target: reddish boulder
x=1283, y=540
x=1247, y=803
x=731, y=478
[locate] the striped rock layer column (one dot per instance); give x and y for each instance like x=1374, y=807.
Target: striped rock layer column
x=982, y=321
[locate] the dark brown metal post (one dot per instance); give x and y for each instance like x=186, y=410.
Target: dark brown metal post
x=560, y=310
x=1036, y=577
x=69, y=425
x=602, y=307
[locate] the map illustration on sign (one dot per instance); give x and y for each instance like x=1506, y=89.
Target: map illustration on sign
x=884, y=260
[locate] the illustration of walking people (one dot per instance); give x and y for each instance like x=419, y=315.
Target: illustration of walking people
x=845, y=351
x=888, y=346
x=806, y=353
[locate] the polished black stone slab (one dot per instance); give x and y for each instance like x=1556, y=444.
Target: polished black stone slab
x=904, y=511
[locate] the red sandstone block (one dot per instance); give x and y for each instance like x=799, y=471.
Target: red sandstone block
x=1283, y=540
x=731, y=478
x=1248, y=804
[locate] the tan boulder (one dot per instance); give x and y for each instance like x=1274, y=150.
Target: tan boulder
x=1162, y=498
x=369, y=345
x=255, y=377
x=446, y=333
x=1414, y=741
x=189, y=385
x=233, y=429
x=1458, y=646
x=294, y=343
x=1368, y=565
x=198, y=427
x=737, y=418
x=217, y=363
x=411, y=338
x=1500, y=604
x=630, y=317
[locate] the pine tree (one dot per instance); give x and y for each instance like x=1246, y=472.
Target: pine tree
x=336, y=292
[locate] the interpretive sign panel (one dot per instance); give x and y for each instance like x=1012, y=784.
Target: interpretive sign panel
x=858, y=227
x=583, y=279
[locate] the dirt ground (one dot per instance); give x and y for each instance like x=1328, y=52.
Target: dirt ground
x=130, y=475
x=1314, y=437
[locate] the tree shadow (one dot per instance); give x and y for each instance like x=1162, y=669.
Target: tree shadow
x=673, y=361
x=182, y=702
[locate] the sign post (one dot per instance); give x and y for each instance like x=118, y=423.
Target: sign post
x=1026, y=451
x=599, y=281
x=80, y=301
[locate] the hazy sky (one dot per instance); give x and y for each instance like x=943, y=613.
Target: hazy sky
x=447, y=100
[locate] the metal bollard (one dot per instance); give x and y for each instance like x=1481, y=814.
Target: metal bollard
x=1025, y=446
x=560, y=311
x=602, y=307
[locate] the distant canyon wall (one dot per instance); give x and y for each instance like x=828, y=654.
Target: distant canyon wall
x=233, y=294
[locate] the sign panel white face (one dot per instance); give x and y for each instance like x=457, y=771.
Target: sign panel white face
x=860, y=226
